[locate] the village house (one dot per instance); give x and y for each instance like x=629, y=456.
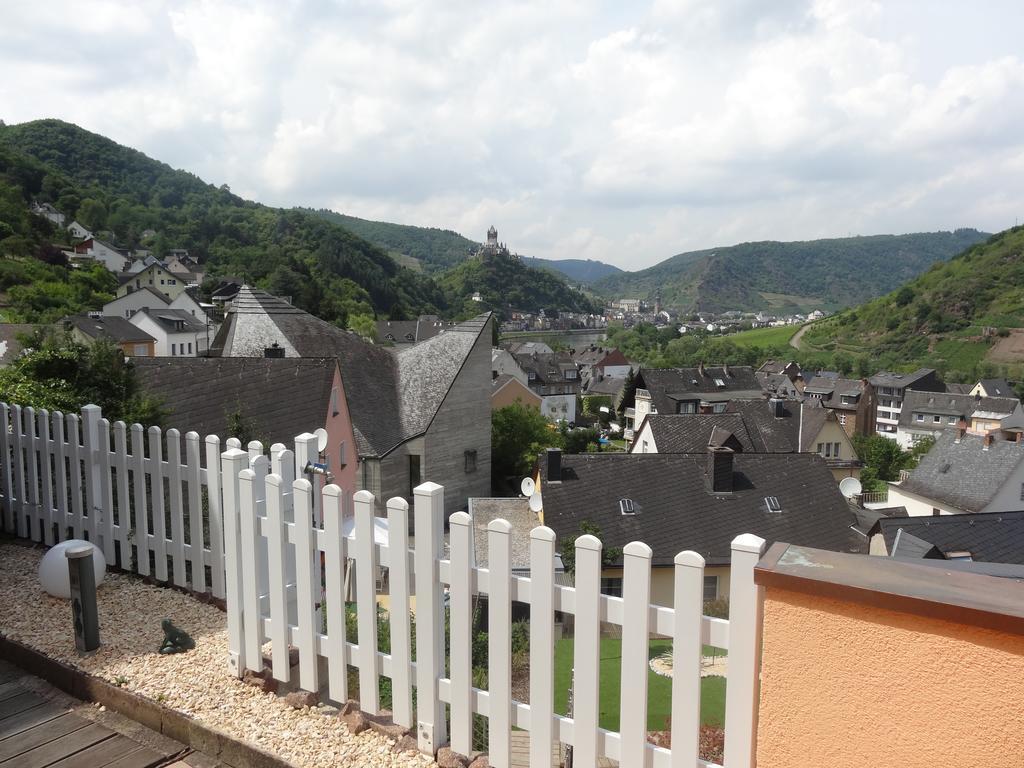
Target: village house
x=704, y=389
x=554, y=377
x=890, y=389
x=149, y=298
x=133, y=341
x=153, y=276
x=78, y=231
x=507, y=390
x=114, y=259
x=48, y=212
x=177, y=333
x=698, y=502
x=928, y=414
x=419, y=413
x=963, y=473
x=993, y=388
x=851, y=400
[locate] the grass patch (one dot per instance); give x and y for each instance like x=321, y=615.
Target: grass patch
x=961, y=355
x=764, y=337
x=659, y=689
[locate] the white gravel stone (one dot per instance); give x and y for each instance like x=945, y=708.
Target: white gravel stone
x=196, y=683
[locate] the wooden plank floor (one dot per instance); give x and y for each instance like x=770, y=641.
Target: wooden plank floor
x=35, y=733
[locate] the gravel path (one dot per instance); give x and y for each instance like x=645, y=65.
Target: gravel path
x=196, y=683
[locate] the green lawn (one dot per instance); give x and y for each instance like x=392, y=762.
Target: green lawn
x=764, y=337
x=961, y=355
x=659, y=689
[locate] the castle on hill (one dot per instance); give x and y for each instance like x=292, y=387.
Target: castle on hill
x=493, y=248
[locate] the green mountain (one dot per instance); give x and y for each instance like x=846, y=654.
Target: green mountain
x=434, y=250
x=325, y=268
x=964, y=317
x=506, y=282
x=789, y=277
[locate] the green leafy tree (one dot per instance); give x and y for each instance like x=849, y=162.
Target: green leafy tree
x=609, y=555
x=518, y=434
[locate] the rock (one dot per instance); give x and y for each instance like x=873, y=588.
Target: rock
x=349, y=707
x=261, y=680
x=449, y=758
x=480, y=762
x=405, y=744
x=293, y=656
x=356, y=722
x=300, y=699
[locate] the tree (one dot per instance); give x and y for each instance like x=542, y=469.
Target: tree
x=518, y=434
x=609, y=555
x=883, y=459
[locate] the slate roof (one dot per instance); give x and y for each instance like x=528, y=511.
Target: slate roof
x=606, y=385
x=992, y=537
x=958, y=389
x=392, y=395
x=777, y=384
x=411, y=331
x=279, y=397
x=768, y=433
x=694, y=432
x=108, y=326
x=997, y=387
x=891, y=379
x=961, y=473
x=168, y=319
x=675, y=511
x=669, y=386
x=548, y=368
x=950, y=404
x=867, y=518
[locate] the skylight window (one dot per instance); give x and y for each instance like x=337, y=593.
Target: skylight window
x=626, y=507
x=772, y=504
x=719, y=383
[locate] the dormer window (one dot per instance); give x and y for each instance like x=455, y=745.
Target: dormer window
x=533, y=376
x=626, y=507
x=772, y=504
x=719, y=383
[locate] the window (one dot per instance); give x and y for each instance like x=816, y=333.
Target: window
x=719, y=383
x=884, y=415
x=174, y=349
x=842, y=419
x=848, y=399
x=821, y=449
x=612, y=586
x=140, y=351
x=469, y=460
x=718, y=408
x=835, y=450
x=772, y=504
x=643, y=447
x=533, y=376
x=936, y=419
x=172, y=282
x=570, y=374
x=952, y=420
x=342, y=454
x=936, y=512
x=626, y=507
x=334, y=401
x=710, y=588
x=161, y=282
x=190, y=347
x=919, y=416
x=414, y=473
x=687, y=407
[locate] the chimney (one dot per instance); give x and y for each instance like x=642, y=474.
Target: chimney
x=718, y=476
x=700, y=367
x=986, y=442
x=274, y=350
x=775, y=407
x=725, y=368
x=554, y=465
x=961, y=430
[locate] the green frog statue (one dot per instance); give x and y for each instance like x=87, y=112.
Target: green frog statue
x=175, y=640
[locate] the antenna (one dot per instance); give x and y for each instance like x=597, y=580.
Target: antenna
x=321, y=439
x=849, y=487
x=528, y=486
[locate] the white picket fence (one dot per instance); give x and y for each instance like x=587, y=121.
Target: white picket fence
x=270, y=526
x=150, y=500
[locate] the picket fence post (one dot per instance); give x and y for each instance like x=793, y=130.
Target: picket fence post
x=337, y=677
x=216, y=512
x=306, y=595
x=461, y=631
x=32, y=470
x=542, y=644
x=46, y=508
x=232, y=462
x=743, y=683
x=401, y=642
x=586, y=652
x=429, y=520
x=499, y=642
x=156, y=484
x=19, y=473
x=277, y=539
x=91, y=415
x=7, y=522
x=687, y=651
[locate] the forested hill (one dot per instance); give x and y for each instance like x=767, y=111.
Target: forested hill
x=788, y=277
x=964, y=317
x=507, y=282
x=325, y=268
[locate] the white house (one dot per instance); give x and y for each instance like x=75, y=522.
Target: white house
x=76, y=230
x=504, y=363
x=154, y=276
x=47, y=211
x=97, y=250
x=177, y=333
x=149, y=298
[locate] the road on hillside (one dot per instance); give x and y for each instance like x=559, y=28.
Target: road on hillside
x=794, y=340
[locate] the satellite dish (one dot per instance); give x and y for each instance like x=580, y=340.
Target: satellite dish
x=528, y=486
x=536, y=504
x=321, y=439
x=849, y=487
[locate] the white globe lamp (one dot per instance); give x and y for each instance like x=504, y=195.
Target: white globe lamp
x=53, y=568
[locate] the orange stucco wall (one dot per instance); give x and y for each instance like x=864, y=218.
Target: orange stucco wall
x=845, y=684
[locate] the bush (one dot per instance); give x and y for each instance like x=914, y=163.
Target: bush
x=718, y=609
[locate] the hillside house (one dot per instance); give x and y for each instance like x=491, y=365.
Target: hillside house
x=419, y=413
x=49, y=213
x=851, y=400
x=503, y=363
x=177, y=333
x=154, y=276
x=993, y=388
x=554, y=377
x=928, y=414
x=507, y=390
x=77, y=231
x=700, y=502
x=133, y=341
x=704, y=389
x=963, y=473
x=114, y=259
x=989, y=538
x=890, y=389
x=790, y=369
x=268, y=399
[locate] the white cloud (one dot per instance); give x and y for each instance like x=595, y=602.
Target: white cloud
x=580, y=129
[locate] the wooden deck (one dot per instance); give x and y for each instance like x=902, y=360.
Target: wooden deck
x=35, y=733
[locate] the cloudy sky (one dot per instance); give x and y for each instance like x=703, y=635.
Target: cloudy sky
x=620, y=131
